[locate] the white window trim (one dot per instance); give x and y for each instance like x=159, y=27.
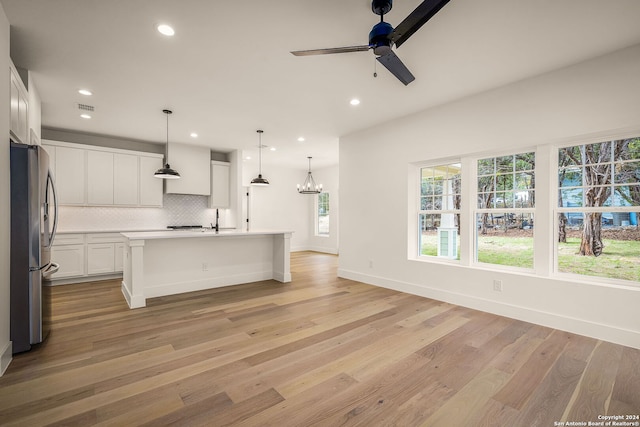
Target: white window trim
x=545, y=212
x=316, y=222
x=414, y=251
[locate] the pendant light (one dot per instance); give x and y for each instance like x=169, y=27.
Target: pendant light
x=166, y=172
x=260, y=180
x=309, y=186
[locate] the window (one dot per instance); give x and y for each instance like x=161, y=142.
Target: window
x=504, y=214
x=598, y=208
x=439, y=212
x=322, y=217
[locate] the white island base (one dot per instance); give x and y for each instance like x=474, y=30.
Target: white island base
x=159, y=263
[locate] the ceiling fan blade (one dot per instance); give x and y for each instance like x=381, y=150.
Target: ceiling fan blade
x=331, y=50
x=415, y=20
x=397, y=68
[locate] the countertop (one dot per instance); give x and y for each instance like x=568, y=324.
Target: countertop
x=119, y=230
x=198, y=233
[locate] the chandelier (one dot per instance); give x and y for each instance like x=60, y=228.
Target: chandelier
x=309, y=186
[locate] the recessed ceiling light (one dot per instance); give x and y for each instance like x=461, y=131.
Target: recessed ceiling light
x=85, y=92
x=248, y=158
x=194, y=135
x=354, y=101
x=301, y=139
x=166, y=30
x=272, y=148
x=85, y=116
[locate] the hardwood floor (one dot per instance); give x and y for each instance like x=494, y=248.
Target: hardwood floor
x=319, y=351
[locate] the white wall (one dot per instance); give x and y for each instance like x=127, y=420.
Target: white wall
x=597, y=97
x=279, y=206
x=329, y=178
x=5, y=195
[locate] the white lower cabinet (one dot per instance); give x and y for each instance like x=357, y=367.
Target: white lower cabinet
x=70, y=258
x=119, y=261
x=86, y=255
x=101, y=258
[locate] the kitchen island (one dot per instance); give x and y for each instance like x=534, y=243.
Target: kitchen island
x=159, y=263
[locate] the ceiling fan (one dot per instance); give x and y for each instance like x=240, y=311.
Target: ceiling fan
x=383, y=36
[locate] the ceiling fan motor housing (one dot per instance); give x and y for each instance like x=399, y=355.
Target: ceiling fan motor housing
x=380, y=7
x=379, y=38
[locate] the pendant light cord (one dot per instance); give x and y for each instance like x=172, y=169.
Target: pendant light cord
x=166, y=149
x=260, y=151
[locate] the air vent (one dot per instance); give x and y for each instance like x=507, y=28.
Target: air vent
x=85, y=107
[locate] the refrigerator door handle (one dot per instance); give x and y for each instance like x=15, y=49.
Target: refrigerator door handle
x=52, y=268
x=55, y=208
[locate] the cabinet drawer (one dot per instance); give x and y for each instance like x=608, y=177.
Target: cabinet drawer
x=105, y=238
x=68, y=239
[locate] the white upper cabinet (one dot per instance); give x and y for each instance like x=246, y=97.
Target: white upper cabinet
x=125, y=179
x=150, y=186
x=19, y=115
x=193, y=163
x=99, y=178
x=219, y=185
x=71, y=176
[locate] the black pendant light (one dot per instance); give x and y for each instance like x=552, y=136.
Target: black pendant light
x=260, y=181
x=166, y=172
x=309, y=186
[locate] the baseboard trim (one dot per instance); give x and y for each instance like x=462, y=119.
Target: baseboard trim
x=6, y=357
x=84, y=279
x=584, y=327
x=331, y=251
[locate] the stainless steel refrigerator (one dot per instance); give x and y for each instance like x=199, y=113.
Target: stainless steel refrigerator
x=34, y=216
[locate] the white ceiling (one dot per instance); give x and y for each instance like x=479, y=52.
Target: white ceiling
x=228, y=70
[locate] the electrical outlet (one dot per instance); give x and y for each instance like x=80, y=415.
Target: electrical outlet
x=205, y=266
x=497, y=285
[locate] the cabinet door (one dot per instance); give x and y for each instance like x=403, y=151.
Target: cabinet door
x=119, y=260
x=71, y=176
x=51, y=151
x=219, y=186
x=100, y=258
x=99, y=178
x=23, y=117
x=150, y=186
x=125, y=179
x=193, y=163
x=71, y=260
x=18, y=110
x=15, y=102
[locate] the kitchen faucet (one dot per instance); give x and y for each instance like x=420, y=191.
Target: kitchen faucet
x=217, y=226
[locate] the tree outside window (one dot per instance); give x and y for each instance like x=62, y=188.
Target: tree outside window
x=504, y=214
x=598, y=209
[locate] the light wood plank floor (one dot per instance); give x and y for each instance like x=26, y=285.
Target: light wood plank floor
x=319, y=351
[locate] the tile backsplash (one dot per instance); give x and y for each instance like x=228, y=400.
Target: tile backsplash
x=178, y=209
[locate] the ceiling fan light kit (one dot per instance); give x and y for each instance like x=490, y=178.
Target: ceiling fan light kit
x=259, y=180
x=383, y=36
x=309, y=186
x=166, y=172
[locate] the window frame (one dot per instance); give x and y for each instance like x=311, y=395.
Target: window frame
x=419, y=211
x=318, y=204
x=557, y=209
x=477, y=211
x=545, y=236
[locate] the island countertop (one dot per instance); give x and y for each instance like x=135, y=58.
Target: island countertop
x=168, y=262
x=198, y=233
